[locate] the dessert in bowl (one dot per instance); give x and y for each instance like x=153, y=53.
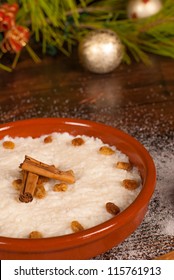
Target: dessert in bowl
x=108, y=180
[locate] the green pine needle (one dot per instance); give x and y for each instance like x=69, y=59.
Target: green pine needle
x=62, y=23
x=6, y=68
x=33, y=54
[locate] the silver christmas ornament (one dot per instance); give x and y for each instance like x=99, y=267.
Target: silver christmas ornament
x=101, y=51
x=143, y=8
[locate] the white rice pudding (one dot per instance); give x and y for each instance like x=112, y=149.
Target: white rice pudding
x=98, y=181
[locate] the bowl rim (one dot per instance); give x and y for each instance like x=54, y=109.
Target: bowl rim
x=98, y=231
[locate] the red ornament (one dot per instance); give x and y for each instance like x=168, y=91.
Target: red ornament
x=7, y=16
x=15, y=36
x=143, y=8
x=15, y=39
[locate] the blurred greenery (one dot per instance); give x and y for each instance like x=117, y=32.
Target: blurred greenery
x=61, y=24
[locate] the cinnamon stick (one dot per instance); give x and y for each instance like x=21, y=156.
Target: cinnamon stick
x=49, y=171
x=29, y=183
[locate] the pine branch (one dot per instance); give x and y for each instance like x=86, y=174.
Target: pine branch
x=63, y=23
x=150, y=35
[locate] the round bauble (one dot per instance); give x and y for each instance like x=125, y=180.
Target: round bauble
x=101, y=51
x=143, y=8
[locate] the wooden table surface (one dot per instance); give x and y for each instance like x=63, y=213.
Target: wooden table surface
x=137, y=99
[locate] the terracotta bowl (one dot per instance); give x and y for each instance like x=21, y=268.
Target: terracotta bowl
x=96, y=240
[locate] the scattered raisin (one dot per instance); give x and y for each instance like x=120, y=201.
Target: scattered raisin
x=8, y=145
x=112, y=208
x=17, y=184
x=130, y=184
x=77, y=141
x=62, y=187
x=105, y=150
x=124, y=165
x=48, y=139
x=76, y=226
x=35, y=234
x=40, y=191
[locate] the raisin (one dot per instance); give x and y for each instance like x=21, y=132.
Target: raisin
x=105, y=150
x=112, y=208
x=8, y=145
x=35, y=234
x=76, y=226
x=130, y=184
x=62, y=187
x=77, y=141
